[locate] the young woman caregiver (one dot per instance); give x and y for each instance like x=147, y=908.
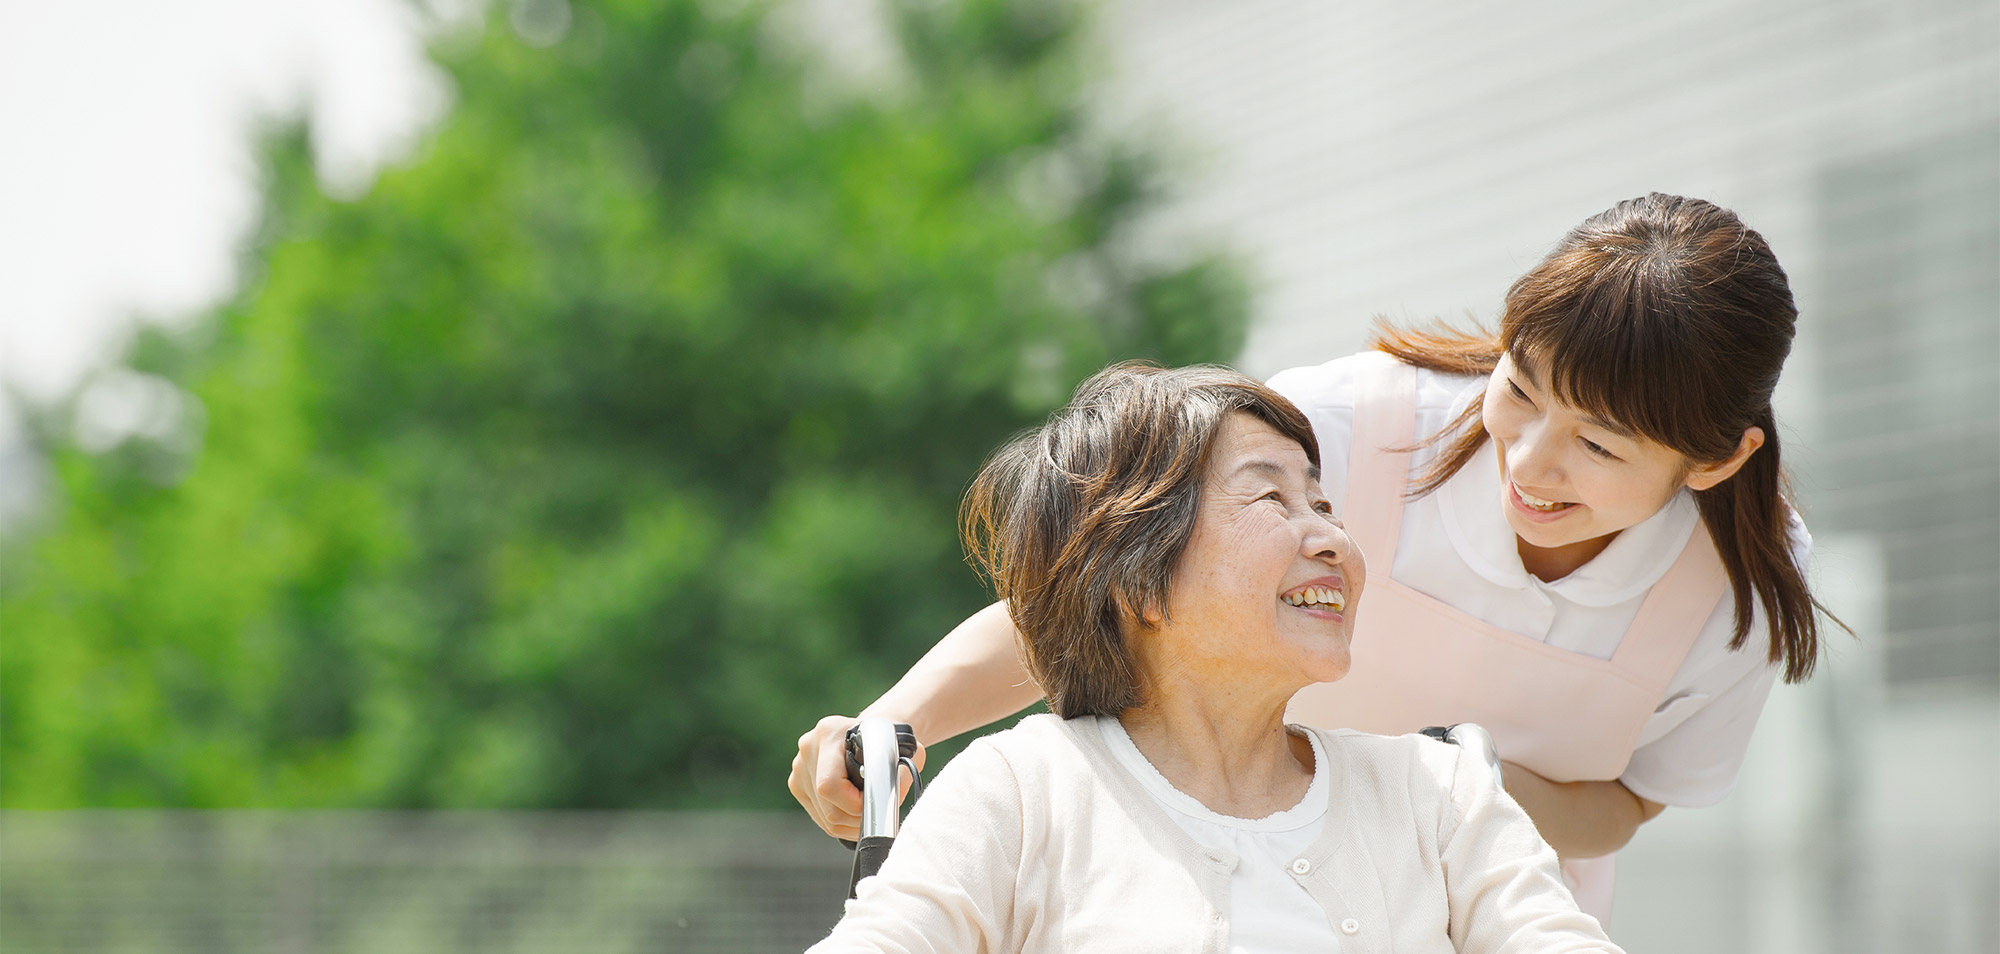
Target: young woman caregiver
x=1587, y=547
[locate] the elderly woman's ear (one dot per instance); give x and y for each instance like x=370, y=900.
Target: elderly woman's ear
x=1143, y=612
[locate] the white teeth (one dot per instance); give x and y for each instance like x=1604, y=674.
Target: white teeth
x=1536, y=502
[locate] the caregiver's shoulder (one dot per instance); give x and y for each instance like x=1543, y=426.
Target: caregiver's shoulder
x=1328, y=384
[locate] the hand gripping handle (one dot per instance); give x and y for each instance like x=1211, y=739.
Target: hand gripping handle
x=876, y=751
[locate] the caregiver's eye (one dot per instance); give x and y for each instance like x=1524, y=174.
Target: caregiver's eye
x=1596, y=448
x=1518, y=393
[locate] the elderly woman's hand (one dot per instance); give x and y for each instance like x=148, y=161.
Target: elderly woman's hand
x=819, y=778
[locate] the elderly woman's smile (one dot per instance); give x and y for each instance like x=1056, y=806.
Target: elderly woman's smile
x=1320, y=597
x=1267, y=586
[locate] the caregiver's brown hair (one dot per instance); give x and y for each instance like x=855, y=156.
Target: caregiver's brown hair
x=1671, y=316
x=1081, y=522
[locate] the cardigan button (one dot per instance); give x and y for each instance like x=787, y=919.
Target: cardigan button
x=1301, y=866
x=1350, y=926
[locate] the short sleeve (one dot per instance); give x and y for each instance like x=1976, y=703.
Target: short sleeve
x=947, y=884
x=1693, y=746
x=1325, y=395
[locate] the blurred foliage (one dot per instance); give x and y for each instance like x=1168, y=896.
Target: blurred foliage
x=591, y=456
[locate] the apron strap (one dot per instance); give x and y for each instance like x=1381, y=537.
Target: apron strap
x=1674, y=611
x=1378, y=470
x=1385, y=399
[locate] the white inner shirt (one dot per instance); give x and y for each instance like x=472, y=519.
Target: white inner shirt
x=1268, y=910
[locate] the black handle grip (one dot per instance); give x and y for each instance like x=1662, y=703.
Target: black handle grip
x=906, y=748
x=868, y=858
x=853, y=752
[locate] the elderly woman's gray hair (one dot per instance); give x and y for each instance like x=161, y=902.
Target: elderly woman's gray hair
x=1081, y=522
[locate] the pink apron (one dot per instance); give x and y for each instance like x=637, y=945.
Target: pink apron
x=1419, y=662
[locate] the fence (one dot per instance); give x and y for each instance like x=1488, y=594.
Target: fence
x=318, y=883
x=496, y=883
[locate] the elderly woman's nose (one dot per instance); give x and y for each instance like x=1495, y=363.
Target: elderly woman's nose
x=1326, y=540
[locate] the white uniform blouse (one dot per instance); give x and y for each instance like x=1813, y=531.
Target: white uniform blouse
x=1456, y=546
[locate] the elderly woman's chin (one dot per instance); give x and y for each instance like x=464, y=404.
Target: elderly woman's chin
x=1327, y=660
x=1319, y=641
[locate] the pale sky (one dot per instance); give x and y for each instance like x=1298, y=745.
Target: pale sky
x=126, y=176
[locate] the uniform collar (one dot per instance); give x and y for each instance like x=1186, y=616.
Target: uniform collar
x=1469, y=506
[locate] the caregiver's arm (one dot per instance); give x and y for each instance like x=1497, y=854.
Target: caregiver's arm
x=1580, y=819
x=971, y=678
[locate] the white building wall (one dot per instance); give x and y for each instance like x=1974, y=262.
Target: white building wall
x=1413, y=159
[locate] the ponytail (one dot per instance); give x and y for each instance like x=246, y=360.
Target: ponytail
x=1747, y=517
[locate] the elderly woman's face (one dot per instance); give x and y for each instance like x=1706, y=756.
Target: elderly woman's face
x=1269, y=581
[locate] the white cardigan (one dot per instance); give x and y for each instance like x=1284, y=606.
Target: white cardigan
x=1035, y=839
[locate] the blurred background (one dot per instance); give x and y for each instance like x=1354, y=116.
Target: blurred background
x=451, y=449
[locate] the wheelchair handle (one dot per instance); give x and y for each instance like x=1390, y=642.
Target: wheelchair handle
x=1473, y=736
x=876, y=751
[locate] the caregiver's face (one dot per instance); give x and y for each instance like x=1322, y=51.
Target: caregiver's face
x=1567, y=477
x=1269, y=581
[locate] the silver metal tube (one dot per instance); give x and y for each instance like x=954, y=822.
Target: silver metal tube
x=879, y=775
x=1473, y=736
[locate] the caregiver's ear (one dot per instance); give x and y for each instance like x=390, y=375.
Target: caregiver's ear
x=1704, y=476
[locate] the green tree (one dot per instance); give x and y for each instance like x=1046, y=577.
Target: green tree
x=590, y=456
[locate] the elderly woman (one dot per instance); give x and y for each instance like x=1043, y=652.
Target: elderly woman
x=1166, y=553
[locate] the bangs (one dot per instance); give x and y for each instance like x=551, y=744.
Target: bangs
x=1600, y=345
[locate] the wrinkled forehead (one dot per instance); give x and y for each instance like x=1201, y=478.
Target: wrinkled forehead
x=1248, y=447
